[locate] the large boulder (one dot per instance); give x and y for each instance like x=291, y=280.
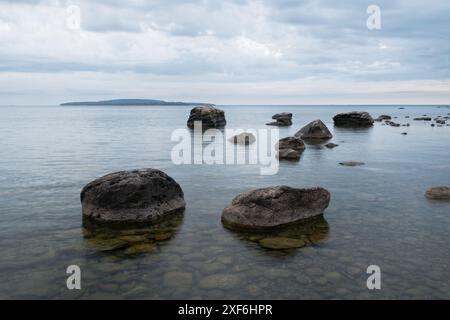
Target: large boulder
x=210, y=116
x=314, y=130
x=274, y=207
x=282, y=119
x=290, y=148
x=130, y=197
x=438, y=193
x=353, y=119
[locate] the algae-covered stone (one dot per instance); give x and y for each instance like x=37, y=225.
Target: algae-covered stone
x=281, y=243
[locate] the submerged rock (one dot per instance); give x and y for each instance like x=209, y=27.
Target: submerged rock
x=331, y=145
x=244, y=138
x=220, y=281
x=314, y=130
x=353, y=119
x=130, y=197
x=351, y=163
x=210, y=116
x=438, y=193
x=290, y=148
x=281, y=243
x=273, y=207
x=141, y=248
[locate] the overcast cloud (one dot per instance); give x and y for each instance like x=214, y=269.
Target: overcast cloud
x=225, y=52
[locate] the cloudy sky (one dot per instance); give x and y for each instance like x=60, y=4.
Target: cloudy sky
x=225, y=52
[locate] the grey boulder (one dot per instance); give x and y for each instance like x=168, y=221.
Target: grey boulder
x=353, y=119
x=282, y=119
x=314, y=130
x=290, y=148
x=273, y=207
x=130, y=197
x=211, y=117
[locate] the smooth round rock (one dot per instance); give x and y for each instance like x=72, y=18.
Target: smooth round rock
x=131, y=197
x=273, y=207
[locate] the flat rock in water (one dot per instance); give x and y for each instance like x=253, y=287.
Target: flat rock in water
x=314, y=130
x=353, y=119
x=141, y=196
x=281, y=243
x=438, y=193
x=272, y=207
x=211, y=117
x=351, y=163
x=331, y=145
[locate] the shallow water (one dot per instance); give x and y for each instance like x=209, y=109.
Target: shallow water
x=377, y=215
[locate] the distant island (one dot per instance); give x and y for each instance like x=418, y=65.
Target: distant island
x=132, y=102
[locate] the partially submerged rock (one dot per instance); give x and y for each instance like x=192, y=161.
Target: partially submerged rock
x=331, y=145
x=282, y=119
x=351, y=163
x=353, y=119
x=438, y=193
x=290, y=148
x=274, y=207
x=314, y=130
x=383, y=117
x=131, y=197
x=244, y=138
x=211, y=117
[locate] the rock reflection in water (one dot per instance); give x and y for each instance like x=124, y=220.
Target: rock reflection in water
x=289, y=238
x=131, y=239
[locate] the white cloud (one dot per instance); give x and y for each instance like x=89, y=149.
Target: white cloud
x=222, y=52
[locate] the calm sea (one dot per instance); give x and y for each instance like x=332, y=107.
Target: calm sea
x=378, y=214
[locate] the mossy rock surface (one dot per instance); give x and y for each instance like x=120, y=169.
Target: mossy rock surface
x=278, y=243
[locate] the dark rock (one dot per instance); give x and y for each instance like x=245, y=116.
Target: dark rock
x=424, y=118
x=314, y=130
x=290, y=148
x=392, y=124
x=130, y=197
x=244, y=138
x=404, y=133
x=351, y=163
x=438, y=193
x=282, y=115
x=210, y=116
x=383, y=117
x=273, y=207
x=283, y=119
x=353, y=119
x=331, y=145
